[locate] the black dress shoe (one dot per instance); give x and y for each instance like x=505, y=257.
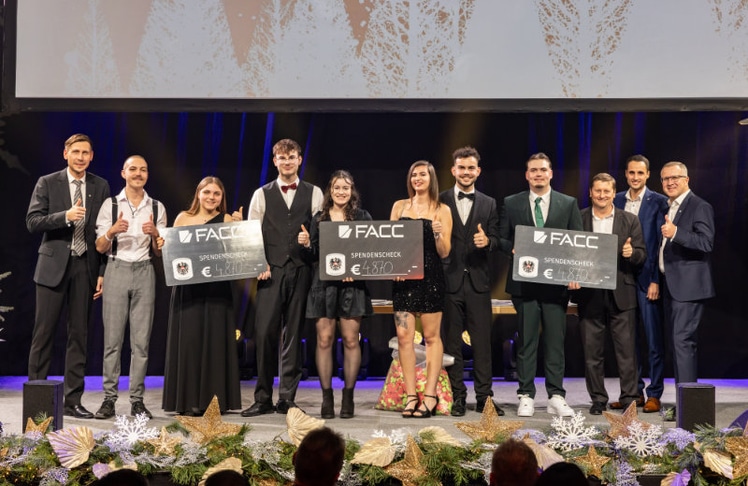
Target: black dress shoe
x=258, y=408
x=283, y=406
x=458, y=407
x=597, y=408
x=106, y=410
x=139, y=407
x=481, y=404
x=78, y=411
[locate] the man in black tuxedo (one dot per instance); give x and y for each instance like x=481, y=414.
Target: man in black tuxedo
x=612, y=309
x=685, y=262
x=285, y=207
x=539, y=305
x=64, y=207
x=467, y=301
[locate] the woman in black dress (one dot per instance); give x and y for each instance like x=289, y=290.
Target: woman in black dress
x=201, y=354
x=330, y=301
x=424, y=298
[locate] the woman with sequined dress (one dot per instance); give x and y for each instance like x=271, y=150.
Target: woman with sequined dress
x=422, y=298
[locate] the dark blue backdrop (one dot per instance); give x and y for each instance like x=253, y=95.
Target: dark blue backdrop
x=378, y=148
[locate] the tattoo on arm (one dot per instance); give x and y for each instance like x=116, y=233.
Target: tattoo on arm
x=401, y=319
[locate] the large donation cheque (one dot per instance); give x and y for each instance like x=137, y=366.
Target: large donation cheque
x=370, y=250
x=557, y=256
x=213, y=252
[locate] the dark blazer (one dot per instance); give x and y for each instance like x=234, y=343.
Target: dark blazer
x=625, y=225
x=49, y=202
x=687, y=259
x=563, y=213
x=464, y=255
x=651, y=216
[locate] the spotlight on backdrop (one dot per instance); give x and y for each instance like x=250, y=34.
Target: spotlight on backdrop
x=743, y=122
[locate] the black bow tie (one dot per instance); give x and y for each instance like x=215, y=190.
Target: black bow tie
x=461, y=195
x=286, y=188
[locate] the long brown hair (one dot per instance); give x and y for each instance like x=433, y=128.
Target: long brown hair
x=195, y=206
x=433, y=182
x=354, y=203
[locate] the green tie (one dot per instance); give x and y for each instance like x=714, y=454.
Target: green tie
x=538, y=213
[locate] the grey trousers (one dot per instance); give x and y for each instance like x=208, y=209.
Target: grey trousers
x=129, y=295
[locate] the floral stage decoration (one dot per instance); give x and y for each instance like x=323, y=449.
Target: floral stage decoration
x=187, y=451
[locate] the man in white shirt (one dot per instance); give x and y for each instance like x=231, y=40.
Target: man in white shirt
x=611, y=310
x=129, y=240
x=285, y=207
x=650, y=207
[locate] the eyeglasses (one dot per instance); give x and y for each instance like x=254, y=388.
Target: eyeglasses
x=667, y=180
x=292, y=158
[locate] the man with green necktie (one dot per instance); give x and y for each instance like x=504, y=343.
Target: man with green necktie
x=539, y=306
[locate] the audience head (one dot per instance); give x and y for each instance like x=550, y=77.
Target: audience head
x=209, y=186
x=562, y=473
x=514, y=464
x=226, y=477
x=122, y=477
x=319, y=458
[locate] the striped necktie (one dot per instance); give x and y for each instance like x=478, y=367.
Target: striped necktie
x=79, y=232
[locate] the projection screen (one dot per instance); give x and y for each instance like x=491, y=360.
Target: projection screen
x=379, y=54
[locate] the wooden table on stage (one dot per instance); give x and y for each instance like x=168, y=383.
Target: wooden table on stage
x=504, y=307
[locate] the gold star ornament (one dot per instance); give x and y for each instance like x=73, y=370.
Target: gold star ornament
x=209, y=426
x=592, y=462
x=410, y=469
x=164, y=444
x=41, y=427
x=490, y=425
x=619, y=424
x=738, y=447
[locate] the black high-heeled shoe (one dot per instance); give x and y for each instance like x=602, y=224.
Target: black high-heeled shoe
x=426, y=412
x=409, y=411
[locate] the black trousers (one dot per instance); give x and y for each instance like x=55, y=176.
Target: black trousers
x=279, y=319
x=468, y=310
x=74, y=291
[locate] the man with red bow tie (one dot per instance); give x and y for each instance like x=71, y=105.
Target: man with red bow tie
x=284, y=207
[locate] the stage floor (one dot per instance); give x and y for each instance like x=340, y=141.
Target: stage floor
x=731, y=401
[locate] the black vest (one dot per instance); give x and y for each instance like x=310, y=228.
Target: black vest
x=281, y=225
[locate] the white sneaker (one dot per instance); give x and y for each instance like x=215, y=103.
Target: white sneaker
x=526, y=406
x=557, y=406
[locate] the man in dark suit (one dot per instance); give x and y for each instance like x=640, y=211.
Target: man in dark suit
x=64, y=207
x=467, y=301
x=685, y=263
x=650, y=207
x=285, y=207
x=614, y=309
x=539, y=305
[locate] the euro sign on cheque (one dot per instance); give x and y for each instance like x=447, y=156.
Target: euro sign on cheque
x=213, y=252
x=556, y=256
x=370, y=250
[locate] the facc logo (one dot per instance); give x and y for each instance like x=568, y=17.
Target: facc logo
x=185, y=236
x=380, y=230
x=565, y=239
x=344, y=231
